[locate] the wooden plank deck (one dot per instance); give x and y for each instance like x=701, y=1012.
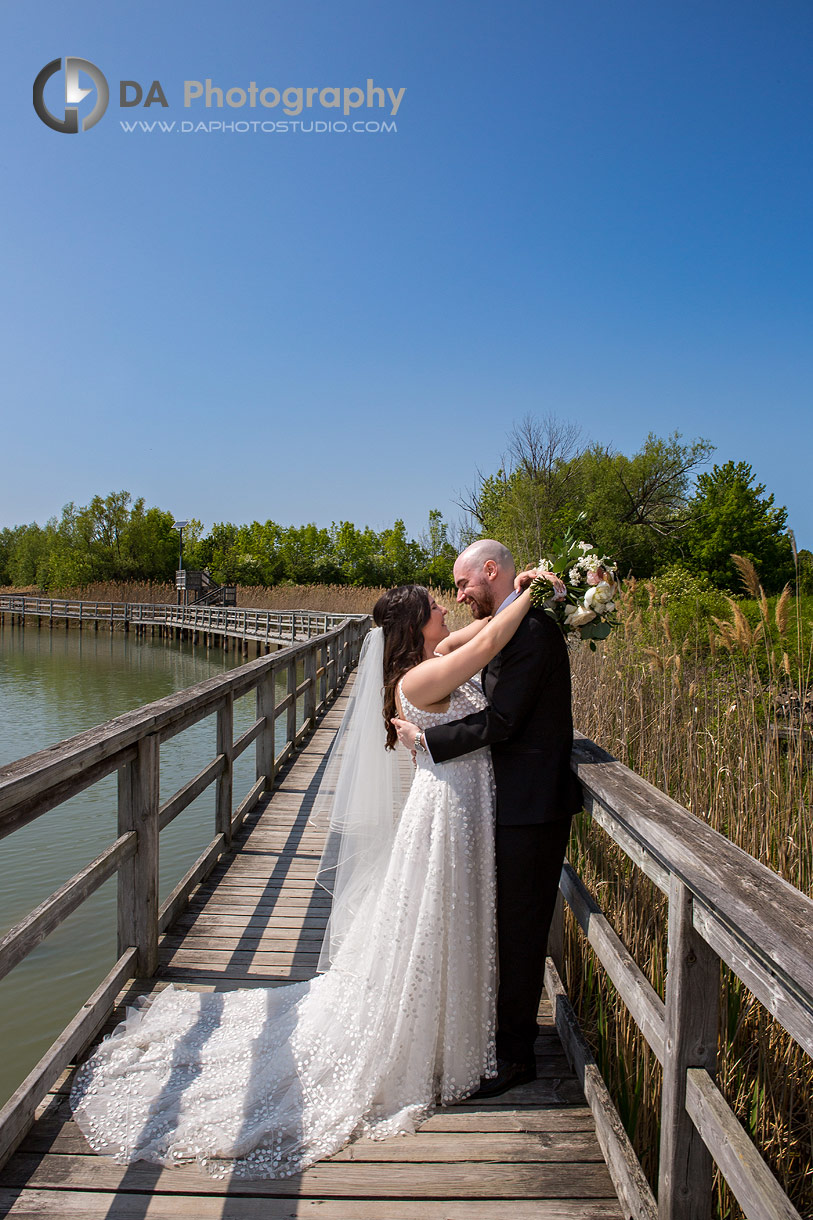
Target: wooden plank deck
x=258, y=920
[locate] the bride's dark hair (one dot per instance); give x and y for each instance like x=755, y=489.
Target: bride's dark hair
x=402, y=614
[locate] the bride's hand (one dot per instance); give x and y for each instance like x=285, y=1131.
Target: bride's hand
x=524, y=579
x=530, y=574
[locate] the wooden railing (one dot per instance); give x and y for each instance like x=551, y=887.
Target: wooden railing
x=723, y=907
x=271, y=625
x=131, y=745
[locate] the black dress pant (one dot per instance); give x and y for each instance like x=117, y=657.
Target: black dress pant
x=529, y=862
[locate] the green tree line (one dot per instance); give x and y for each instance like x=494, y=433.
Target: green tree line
x=655, y=509
x=115, y=538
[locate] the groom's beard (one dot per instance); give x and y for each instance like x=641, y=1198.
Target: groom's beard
x=482, y=605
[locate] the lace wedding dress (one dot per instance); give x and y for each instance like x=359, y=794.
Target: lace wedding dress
x=262, y=1082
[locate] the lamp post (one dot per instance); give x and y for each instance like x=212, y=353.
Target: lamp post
x=179, y=526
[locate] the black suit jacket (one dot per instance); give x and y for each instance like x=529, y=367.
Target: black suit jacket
x=528, y=724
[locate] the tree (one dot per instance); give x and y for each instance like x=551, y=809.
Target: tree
x=534, y=497
x=637, y=508
x=439, y=553
x=730, y=514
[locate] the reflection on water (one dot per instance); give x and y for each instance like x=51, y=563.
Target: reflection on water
x=54, y=684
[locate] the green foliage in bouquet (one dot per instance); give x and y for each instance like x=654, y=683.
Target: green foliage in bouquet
x=587, y=610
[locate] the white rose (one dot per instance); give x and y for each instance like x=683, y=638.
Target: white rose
x=578, y=616
x=599, y=598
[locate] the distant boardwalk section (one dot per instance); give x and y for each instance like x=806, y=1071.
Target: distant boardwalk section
x=224, y=625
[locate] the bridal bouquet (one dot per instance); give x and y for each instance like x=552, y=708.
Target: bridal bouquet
x=591, y=580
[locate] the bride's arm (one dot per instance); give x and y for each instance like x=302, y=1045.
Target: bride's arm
x=434, y=679
x=458, y=638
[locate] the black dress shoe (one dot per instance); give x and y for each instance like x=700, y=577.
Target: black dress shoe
x=509, y=1075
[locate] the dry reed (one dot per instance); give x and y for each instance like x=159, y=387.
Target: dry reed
x=702, y=733
x=333, y=598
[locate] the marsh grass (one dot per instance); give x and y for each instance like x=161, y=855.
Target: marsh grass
x=333, y=598
x=697, y=723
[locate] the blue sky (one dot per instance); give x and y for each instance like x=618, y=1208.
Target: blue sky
x=601, y=212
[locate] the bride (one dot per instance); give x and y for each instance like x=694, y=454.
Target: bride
x=262, y=1082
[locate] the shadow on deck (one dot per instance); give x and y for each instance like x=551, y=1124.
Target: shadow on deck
x=258, y=920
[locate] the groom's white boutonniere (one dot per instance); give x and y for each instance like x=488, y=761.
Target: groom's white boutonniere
x=591, y=580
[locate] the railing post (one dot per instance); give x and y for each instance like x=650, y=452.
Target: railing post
x=692, y=1014
x=310, y=692
x=266, y=699
x=225, y=741
x=556, y=935
x=323, y=684
x=291, y=719
x=138, y=876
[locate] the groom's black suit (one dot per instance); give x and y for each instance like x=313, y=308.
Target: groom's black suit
x=529, y=725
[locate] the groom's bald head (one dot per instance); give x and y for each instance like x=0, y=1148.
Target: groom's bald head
x=484, y=576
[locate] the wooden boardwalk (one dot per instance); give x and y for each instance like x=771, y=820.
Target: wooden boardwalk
x=258, y=920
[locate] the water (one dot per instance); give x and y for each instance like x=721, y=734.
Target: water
x=54, y=684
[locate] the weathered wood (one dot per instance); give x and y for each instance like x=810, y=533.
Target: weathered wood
x=245, y=739
x=223, y=796
x=31, y=931
x=190, y=792
x=637, y=851
x=147, y=1205
x=428, y=1148
x=755, y=1188
x=290, y=722
x=204, y=923
x=177, y=900
x=771, y=916
x=625, y=1169
x=266, y=696
x=330, y=1178
x=17, y=1114
x=644, y=1003
x=791, y=1007
x=692, y=1014
x=138, y=876
x=20, y=813
x=248, y=803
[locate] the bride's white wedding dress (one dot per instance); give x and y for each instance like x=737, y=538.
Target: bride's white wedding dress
x=262, y=1082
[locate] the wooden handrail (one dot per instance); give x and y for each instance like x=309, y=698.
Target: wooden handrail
x=130, y=744
x=723, y=906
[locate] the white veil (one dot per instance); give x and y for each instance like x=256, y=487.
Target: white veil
x=359, y=800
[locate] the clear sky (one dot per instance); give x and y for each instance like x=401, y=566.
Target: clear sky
x=600, y=211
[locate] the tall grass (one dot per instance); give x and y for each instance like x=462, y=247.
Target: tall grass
x=699, y=724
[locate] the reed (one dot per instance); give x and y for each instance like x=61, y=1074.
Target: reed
x=698, y=725
x=332, y=598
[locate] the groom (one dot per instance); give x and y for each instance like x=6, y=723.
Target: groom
x=528, y=724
